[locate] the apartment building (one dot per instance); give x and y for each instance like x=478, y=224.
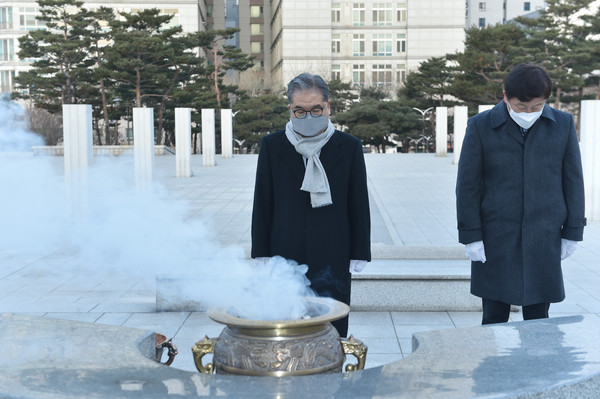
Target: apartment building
x=18, y=17
x=492, y=12
x=364, y=42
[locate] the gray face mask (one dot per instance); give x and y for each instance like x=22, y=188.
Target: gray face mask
x=309, y=126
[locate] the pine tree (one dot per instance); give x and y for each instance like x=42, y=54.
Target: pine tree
x=60, y=52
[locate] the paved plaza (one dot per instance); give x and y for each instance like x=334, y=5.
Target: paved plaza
x=412, y=205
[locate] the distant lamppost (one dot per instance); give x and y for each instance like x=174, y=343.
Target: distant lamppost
x=233, y=114
x=423, y=112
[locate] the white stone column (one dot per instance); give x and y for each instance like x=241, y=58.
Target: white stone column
x=226, y=133
x=143, y=146
x=461, y=115
x=441, y=131
x=79, y=151
x=183, y=141
x=485, y=107
x=590, y=156
x=208, y=137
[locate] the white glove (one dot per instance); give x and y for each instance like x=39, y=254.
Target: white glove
x=261, y=262
x=567, y=247
x=475, y=251
x=357, y=266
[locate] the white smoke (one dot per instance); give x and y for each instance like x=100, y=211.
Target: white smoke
x=126, y=231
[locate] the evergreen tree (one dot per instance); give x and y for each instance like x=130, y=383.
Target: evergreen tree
x=481, y=68
x=258, y=116
x=428, y=85
x=560, y=41
x=61, y=55
x=377, y=121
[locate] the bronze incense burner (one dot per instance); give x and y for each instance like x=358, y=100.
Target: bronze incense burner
x=281, y=348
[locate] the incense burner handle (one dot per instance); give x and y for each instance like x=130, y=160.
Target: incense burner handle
x=201, y=348
x=356, y=348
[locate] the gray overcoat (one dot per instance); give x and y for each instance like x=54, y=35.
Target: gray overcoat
x=520, y=196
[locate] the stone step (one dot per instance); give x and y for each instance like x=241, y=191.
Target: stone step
x=418, y=285
x=384, y=285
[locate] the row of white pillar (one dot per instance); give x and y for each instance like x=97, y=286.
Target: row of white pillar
x=78, y=143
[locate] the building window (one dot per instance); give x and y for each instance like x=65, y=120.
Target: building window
x=400, y=73
x=6, y=80
x=336, y=12
x=401, y=12
x=255, y=11
x=7, y=50
x=482, y=6
x=382, y=75
x=527, y=6
x=256, y=29
x=336, y=43
x=358, y=75
x=6, y=18
x=209, y=11
x=401, y=43
x=358, y=14
x=481, y=22
x=382, y=14
x=358, y=45
x=336, y=72
x=257, y=47
x=27, y=19
x=382, y=44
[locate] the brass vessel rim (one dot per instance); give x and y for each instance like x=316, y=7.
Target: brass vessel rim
x=335, y=310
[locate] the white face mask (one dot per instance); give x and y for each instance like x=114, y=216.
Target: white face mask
x=524, y=119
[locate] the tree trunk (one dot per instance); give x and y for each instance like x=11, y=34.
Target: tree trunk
x=557, y=101
x=216, y=72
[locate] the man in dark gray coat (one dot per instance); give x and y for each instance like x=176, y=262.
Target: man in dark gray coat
x=519, y=198
x=311, y=203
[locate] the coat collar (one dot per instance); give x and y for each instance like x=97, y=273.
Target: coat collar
x=499, y=114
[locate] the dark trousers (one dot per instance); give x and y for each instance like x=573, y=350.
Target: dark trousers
x=498, y=312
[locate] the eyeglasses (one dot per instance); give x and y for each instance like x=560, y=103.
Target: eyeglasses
x=301, y=114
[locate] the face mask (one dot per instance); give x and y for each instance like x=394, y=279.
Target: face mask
x=524, y=119
x=309, y=126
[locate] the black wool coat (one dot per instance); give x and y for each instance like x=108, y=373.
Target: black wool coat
x=284, y=223
x=520, y=196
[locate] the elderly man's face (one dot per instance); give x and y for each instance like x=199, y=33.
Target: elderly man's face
x=308, y=101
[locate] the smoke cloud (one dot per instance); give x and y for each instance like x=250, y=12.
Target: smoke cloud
x=120, y=229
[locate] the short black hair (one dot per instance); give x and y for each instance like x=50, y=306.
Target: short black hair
x=526, y=82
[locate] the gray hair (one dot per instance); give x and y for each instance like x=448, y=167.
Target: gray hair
x=307, y=81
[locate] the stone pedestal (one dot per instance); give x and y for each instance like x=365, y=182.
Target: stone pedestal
x=226, y=133
x=461, y=115
x=208, y=137
x=590, y=148
x=78, y=153
x=143, y=146
x=485, y=107
x=441, y=131
x=183, y=141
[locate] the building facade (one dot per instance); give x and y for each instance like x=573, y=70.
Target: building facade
x=492, y=12
x=19, y=17
x=363, y=42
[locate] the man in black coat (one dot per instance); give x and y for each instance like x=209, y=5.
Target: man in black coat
x=519, y=198
x=311, y=203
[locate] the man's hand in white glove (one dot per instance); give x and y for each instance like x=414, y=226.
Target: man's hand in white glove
x=357, y=266
x=475, y=251
x=261, y=262
x=567, y=247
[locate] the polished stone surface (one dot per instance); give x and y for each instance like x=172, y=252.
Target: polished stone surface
x=552, y=358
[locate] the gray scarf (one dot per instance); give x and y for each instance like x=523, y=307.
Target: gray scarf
x=315, y=179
